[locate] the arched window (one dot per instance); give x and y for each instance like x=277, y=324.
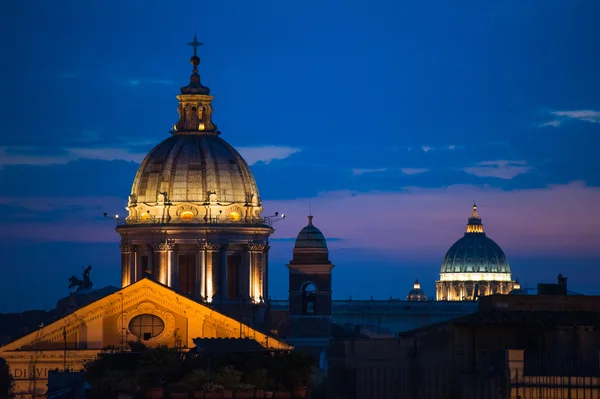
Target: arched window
x=146, y=326
x=309, y=299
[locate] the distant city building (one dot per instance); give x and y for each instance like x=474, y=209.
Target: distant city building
x=474, y=266
x=416, y=294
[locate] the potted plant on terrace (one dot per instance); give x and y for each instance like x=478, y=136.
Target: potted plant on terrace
x=229, y=377
x=119, y=382
x=259, y=378
x=269, y=389
x=194, y=381
x=280, y=392
x=244, y=391
x=299, y=368
x=212, y=390
x=178, y=390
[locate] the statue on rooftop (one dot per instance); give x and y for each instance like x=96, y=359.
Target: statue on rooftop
x=81, y=284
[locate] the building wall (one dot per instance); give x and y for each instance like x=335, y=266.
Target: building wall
x=381, y=319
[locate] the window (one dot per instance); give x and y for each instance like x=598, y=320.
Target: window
x=146, y=326
x=234, y=216
x=233, y=276
x=187, y=274
x=309, y=299
x=145, y=266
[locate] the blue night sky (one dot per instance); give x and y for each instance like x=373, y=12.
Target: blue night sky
x=389, y=117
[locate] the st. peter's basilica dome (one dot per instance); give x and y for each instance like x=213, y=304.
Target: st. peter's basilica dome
x=475, y=265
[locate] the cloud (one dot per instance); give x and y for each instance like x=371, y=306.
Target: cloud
x=36, y=156
x=586, y=115
x=406, y=171
x=266, y=154
x=413, y=171
x=426, y=222
x=500, y=169
x=359, y=171
x=427, y=148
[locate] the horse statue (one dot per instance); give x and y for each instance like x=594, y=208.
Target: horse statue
x=81, y=284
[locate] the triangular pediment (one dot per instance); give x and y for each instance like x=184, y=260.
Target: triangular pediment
x=143, y=297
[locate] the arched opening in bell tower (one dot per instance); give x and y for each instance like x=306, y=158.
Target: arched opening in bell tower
x=309, y=299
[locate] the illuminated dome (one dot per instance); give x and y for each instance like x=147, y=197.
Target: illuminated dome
x=416, y=294
x=191, y=168
x=474, y=266
x=310, y=237
x=194, y=176
x=475, y=256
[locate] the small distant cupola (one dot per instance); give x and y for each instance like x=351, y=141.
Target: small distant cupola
x=416, y=294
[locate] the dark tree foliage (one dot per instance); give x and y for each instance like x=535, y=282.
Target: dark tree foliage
x=142, y=367
x=6, y=379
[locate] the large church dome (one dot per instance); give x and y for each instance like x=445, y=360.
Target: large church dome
x=191, y=168
x=475, y=253
x=475, y=265
x=194, y=176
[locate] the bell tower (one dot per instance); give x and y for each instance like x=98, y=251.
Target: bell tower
x=310, y=293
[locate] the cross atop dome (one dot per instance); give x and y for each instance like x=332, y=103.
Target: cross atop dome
x=195, y=44
x=195, y=86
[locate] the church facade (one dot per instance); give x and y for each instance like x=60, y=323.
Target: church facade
x=144, y=311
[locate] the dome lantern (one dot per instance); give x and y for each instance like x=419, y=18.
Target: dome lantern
x=474, y=225
x=195, y=108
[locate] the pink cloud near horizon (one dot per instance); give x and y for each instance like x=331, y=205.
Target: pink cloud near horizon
x=555, y=221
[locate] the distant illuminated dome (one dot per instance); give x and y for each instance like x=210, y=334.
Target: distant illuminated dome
x=310, y=237
x=474, y=266
x=194, y=176
x=416, y=294
x=475, y=256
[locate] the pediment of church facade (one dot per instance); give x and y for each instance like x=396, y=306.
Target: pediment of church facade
x=144, y=311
